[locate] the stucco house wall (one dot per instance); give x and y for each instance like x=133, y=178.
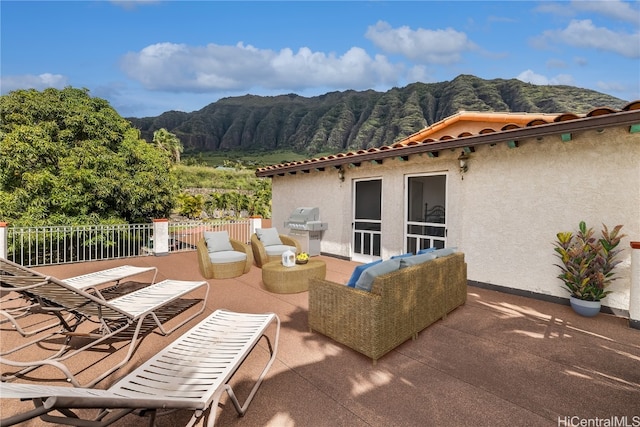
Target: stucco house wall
x=516, y=200
x=504, y=212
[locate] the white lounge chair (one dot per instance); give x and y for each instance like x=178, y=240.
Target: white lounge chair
x=116, y=274
x=113, y=317
x=90, y=281
x=191, y=373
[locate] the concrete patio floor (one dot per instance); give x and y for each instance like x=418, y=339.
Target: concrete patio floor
x=499, y=360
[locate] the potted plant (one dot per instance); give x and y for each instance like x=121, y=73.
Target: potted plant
x=587, y=265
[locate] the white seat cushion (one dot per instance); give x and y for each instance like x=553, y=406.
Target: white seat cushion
x=225, y=257
x=276, y=250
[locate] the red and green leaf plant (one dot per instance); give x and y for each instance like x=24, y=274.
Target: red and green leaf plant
x=587, y=262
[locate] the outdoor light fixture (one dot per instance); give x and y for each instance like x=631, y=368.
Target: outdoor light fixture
x=341, y=174
x=463, y=159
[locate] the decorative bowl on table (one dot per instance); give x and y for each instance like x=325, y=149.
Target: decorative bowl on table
x=302, y=258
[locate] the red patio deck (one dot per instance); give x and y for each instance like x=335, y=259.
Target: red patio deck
x=499, y=360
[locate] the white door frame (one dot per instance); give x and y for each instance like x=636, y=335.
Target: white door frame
x=420, y=233
x=366, y=234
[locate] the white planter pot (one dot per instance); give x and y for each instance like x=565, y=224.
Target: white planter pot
x=585, y=308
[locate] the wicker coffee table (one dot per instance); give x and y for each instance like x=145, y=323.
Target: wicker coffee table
x=289, y=280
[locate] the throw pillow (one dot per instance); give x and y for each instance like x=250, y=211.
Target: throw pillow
x=358, y=271
x=368, y=276
x=217, y=241
x=425, y=251
x=268, y=236
x=443, y=252
x=416, y=259
x=408, y=254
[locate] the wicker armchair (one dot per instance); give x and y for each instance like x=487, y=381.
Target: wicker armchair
x=210, y=270
x=260, y=253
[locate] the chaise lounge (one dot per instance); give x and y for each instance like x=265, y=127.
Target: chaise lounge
x=114, y=317
x=191, y=373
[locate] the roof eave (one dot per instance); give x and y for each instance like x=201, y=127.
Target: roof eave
x=622, y=118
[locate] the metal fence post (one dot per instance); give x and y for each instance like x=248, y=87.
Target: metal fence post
x=255, y=222
x=160, y=237
x=3, y=240
x=634, y=291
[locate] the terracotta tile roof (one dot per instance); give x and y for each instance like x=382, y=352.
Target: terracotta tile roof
x=472, y=128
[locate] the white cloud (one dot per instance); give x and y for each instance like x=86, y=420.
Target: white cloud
x=421, y=45
x=179, y=67
x=29, y=81
x=555, y=8
x=612, y=86
x=419, y=73
x=584, y=34
x=529, y=76
x=563, y=79
x=623, y=90
x=616, y=9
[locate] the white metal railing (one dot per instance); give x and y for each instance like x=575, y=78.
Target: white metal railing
x=185, y=235
x=366, y=237
x=422, y=235
x=34, y=246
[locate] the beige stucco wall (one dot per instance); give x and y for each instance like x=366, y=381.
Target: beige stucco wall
x=518, y=199
x=506, y=211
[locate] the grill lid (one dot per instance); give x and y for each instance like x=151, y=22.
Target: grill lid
x=303, y=215
x=305, y=219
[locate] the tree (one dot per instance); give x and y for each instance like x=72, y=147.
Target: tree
x=190, y=206
x=169, y=143
x=66, y=157
x=260, y=202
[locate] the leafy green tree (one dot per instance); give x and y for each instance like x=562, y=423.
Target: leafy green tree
x=66, y=158
x=260, y=202
x=191, y=206
x=169, y=143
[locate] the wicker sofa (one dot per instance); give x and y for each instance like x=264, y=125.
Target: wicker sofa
x=400, y=305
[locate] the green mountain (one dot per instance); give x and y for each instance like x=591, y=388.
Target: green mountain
x=351, y=120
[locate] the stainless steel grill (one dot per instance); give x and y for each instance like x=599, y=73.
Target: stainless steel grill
x=307, y=219
x=305, y=226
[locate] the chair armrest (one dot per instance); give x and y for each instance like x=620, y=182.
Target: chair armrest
x=204, y=263
x=243, y=247
x=259, y=253
x=290, y=241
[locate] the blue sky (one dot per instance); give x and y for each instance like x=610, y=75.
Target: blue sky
x=148, y=57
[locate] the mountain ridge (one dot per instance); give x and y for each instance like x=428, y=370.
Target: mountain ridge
x=352, y=120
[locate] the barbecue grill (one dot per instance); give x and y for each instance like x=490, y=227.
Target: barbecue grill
x=305, y=226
